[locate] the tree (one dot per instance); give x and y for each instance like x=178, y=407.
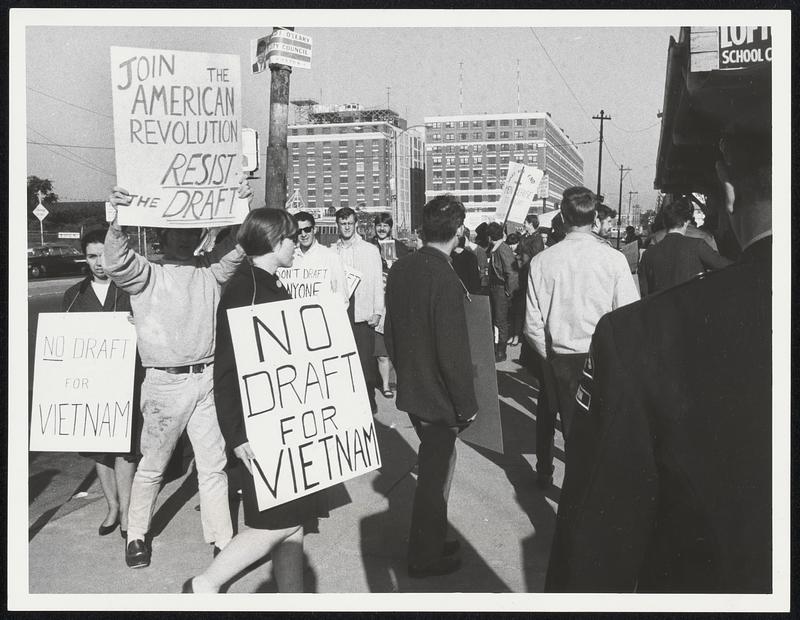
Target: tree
x=45, y=186
x=647, y=219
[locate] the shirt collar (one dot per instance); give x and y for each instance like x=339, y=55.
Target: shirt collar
x=431, y=251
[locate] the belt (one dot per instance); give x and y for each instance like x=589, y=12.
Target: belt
x=182, y=370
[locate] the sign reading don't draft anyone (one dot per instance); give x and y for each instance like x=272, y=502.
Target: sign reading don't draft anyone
x=83, y=382
x=177, y=137
x=302, y=282
x=304, y=400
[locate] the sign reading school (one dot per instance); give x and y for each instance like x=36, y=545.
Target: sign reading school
x=83, y=382
x=177, y=137
x=305, y=405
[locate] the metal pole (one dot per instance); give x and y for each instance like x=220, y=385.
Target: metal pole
x=277, y=151
x=600, y=118
x=41, y=232
x=619, y=212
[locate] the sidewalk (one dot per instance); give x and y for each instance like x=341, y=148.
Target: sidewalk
x=505, y=523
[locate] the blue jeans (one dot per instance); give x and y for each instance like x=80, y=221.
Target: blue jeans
x=170, y=404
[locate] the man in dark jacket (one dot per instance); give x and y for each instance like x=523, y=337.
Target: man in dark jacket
x=668, y=484
x=677, y=258
x=503, y=283
x=426, y=337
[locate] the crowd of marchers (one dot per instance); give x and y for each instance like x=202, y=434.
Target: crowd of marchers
x=663, y=391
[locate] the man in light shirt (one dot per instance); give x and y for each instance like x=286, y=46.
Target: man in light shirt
x=312, y=255
x=570, y=286
x=366, y=306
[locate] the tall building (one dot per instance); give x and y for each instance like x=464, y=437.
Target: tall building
x=345, y=155
x=468, y=156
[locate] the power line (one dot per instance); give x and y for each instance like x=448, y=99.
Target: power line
x=87, y=161
x=74, y=105
x=73, y=146
x=636, y=130
x=76, y=161
x=73, y=157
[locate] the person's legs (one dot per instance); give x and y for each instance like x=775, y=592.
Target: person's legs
x=209, y=456
x=166, y=407
x=384, y=369
x=248, y=546
x=567, y=373
x=437, y=456
x=364, y=336
x=105, y=474
x=123, y=472
x=287, y=563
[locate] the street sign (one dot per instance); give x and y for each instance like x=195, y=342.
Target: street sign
x=69, y=235
x=41, y=212
x=287, y=47
x=249, y=150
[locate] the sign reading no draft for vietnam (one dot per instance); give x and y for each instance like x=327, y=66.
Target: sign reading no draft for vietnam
x=177, y=133
x=83, y=382
x=307, y=415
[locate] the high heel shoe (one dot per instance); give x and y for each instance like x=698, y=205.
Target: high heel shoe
x=187, y=586
x=105, y=530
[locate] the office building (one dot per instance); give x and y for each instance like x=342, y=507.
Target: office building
x=345, y=155
x=468, y=156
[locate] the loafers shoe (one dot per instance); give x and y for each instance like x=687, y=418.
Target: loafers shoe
x=187, y=586
x=137, y=554
x=105, y=530
x=442, y=566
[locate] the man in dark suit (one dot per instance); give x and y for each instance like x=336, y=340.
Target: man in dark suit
x=426, y=337
x=261, y=56
x=668, y=482
x=677, y=258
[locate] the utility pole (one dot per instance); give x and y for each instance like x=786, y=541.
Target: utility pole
x=388, y=92
x=600, y=118
x=622, y=172
x=630, y=194
x=277, y=152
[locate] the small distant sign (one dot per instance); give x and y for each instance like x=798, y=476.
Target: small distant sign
x=69, y=235
x=41, y=212
x=519, y=191
x=249, y=150
x=287, y=47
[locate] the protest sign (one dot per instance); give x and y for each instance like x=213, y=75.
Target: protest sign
x=354, y=277
x=519, y=191
x=304, y=400
x=486, y=431
x=305, y=281
x=631, y=252
x=83, y=382
x=177, y=137
x=290, y=48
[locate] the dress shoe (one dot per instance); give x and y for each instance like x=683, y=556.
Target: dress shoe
x=105, y=530
x=451, y=547
x=137, y=554
x=500, y=354
x=187, y=586
x=442, y=566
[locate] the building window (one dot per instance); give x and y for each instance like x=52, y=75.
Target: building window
x=450, y=161
x=463, y=124
x=503, y=159
x=476, y=135
x=491, y=123
x=531, y=157
x=491, y=161
x=327, y=192
x=436, y=149
x=491, y=135
x=449, y=136
x=359, y=166
x=326, y=156
x=437, y=186
x=476, y=123
x=463, y=173
x=505, y=147
x=477, y=158
x=437, y=175
x=311, y=180
x=519, y=122
x=519, y=134
x=462, y=136
x=477, y=198
x=477, y=184
x=343, y=180
x=477, y=172
x=463, y=160
x=312, y=193
x=436, y=136
x=376, y=165
x=450, y=149
x=463, y=186
x=450, y=187
x=360, y=178
x=504, y=122
x=519, y=157
x=449, y=125
x=296, y=181
x=491, y=147
x=450, y=174
x=376, y=178
x=437, y=160
x=531, y=121
x=503, y=135
x=532, y=133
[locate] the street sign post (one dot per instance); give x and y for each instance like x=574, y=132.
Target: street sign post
x=41, y=212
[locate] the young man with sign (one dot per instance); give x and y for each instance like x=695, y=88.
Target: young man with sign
x=175, y=304
x=570, y=286
x=367, y=302
x=96, y=293
x=426, y=337
x=503, y=282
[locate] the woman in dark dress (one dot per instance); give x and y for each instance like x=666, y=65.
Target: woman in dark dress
x=268, y=237
x=97, y=293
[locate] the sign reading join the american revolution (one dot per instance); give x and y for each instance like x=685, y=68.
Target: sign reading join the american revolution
x=519, y=192
x=83, y=382
x=304, y=400
x=177, y=137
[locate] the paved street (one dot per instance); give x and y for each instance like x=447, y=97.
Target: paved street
x=504, y=522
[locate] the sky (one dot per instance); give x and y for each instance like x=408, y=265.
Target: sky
x=570, y=71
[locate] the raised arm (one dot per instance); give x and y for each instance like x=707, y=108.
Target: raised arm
x=130, y=271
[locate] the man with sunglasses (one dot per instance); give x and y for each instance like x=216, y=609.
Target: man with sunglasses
x=366, y=305
x=310, y=256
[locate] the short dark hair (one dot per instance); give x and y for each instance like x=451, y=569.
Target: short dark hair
x=512, y=238
x=494, y=231
x=304, y=216
x=344, y=213
x=441, y=218
x=677, y=213
x=261, y=44
x=604, y=211
x=384, y=218
x=532, y=219
x=98, y=235
x=263, y=229
x=578, y=206
x=630, y=229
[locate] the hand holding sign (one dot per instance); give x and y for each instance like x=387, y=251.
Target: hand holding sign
x=246, y=455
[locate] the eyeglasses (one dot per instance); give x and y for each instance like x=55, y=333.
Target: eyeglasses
x=305, y=230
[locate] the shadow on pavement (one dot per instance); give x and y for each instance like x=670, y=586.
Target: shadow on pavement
x=38, y=482
x=384, y=553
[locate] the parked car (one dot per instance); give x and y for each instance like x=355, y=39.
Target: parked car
x=55, y=260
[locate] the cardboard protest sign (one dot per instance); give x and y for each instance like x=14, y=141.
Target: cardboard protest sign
x=486, y=431
x=177, y=137
x=83, y=382
x=354, y=277
x=519, y=192
x=307, y=415
x=306, y=281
